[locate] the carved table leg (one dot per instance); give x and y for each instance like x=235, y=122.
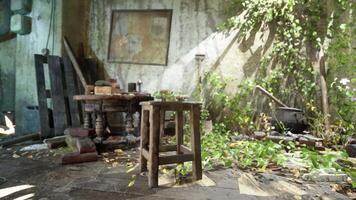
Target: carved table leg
x=99, y=126
x=87, y=120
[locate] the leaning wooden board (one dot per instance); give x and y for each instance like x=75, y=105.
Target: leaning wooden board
x=60, y=112
x=46, y=130
x=62, y=89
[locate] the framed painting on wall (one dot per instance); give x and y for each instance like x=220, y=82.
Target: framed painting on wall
x=140, y=36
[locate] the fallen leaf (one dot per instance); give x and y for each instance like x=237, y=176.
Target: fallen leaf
x=131, y=183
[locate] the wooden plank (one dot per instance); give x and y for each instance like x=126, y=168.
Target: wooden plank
x=144, y=139
x=59, y=107
x=153, y=147
x=164, y=160
x=72, y=89
x=167, y=148
x=42, y=97
x=20, y=139
x=75, y=63
x=195, y=142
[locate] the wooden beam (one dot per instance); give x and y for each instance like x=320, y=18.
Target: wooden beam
x=279, y=102
x=75, y=63
x=60, y=114
x=72, y=89
x=20, y=139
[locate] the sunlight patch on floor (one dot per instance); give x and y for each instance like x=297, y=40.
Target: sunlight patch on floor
x=10, y=190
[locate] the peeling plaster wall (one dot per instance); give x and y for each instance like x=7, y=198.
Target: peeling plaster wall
x=193, y=32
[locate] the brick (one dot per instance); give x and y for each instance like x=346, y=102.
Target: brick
x=79, y=158
x=80, y=132
x=85, y=145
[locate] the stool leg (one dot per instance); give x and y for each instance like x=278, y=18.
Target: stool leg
x=195, y=140
x=179, y=130
x=154, y=147
x=144, y=138
x=162, y=120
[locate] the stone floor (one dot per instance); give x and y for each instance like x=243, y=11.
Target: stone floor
x=39, y=175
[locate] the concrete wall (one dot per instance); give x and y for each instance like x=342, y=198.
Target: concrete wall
x=193, y=32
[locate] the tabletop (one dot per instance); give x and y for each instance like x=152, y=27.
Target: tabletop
x=121, y=96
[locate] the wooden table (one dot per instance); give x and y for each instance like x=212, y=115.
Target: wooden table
x=101, y=104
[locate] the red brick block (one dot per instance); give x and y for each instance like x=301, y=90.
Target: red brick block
x=79, y=132
x=79, y=158
x=85, y=145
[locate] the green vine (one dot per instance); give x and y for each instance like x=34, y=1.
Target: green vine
x=302, y=30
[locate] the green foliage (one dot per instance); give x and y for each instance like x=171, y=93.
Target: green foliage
x=237, y=109
x=217, y=150
x=302, y=31
x=165, y=95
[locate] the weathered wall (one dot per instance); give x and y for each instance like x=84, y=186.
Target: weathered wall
x=27, y=46
x=7, y=75
x=193, y=32
x=17, y=55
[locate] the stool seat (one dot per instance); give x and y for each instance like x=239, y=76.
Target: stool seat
x=151, y=123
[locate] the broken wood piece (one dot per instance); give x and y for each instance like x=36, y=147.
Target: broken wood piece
x=20, y=139
x=55, y=142
x=79, y=158
x=75, y=63
x=85, y=145
x=279, y=102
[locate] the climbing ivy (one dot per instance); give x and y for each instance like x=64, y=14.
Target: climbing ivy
x=302, y=31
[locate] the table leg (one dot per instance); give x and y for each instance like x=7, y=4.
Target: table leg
x=99, y=126
x=87, y=120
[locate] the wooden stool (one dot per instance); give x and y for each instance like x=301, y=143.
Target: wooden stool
x=150, y=138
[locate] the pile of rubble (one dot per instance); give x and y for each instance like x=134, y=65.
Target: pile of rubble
x=301, y=139
x=84, y=147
